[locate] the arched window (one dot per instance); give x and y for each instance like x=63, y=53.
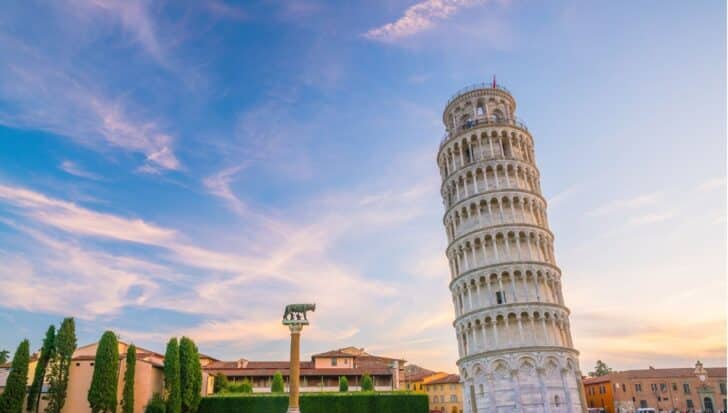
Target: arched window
x=557, y=401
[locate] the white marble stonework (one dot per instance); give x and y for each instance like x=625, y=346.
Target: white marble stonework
x=512, y=327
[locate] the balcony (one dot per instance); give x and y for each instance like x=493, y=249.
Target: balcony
x=476, y=87
x=484, y=120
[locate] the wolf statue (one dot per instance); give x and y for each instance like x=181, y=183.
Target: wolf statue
x=296, y=311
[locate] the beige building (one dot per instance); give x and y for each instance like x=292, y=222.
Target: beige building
x=148, y=377
x=321, y=373
x=679, y=389
x=445, y=394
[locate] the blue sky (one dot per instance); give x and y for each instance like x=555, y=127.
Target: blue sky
x=172, y=168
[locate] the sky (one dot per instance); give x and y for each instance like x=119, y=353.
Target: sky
x=188, y=168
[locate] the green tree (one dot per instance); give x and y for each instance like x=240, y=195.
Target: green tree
x=11, y=400
x=190, y=375
x=343, y=384
x=221, y=382
x=4, y=354
x=172, y=377
x=601, y=369
x=46, y=353
x=366, y=383
x=127, y=400
x=156, y=404
x=277, y=386
x=245, y=387
x=104, y=383
x=60, y=362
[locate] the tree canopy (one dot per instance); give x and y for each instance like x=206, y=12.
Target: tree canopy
x=172, y=391
x=65, y=345
x=601, y=369
x=190, y=375
x=343, y=384
x=127, y=400
x=11, y=400
x=46, y=353
x=104, y=383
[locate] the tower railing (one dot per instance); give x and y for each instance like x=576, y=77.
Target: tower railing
x=484, y=120
x=476, y=87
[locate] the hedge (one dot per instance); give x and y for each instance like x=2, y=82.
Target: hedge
x=353, y=402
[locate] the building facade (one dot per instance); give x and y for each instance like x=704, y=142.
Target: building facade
x=669, y=390
x=512, y=327
x=321, y=373
x=445, y=394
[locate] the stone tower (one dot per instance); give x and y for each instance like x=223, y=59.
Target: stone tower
x=512, y=327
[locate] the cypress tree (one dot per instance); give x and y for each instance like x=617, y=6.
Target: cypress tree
x=277, y=386
x=60, y=362
x=172, y=377
x=4, y=354
x=11, y=401
x=221, y=382
x=104, y=383
x=190, y=375
x=343, y=384
x=366, y=382
x=40, y=369
x=127, y=401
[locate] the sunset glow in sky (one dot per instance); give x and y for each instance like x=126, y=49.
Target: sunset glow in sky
x=188, y=168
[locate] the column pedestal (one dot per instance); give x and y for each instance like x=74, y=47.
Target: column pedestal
x=295, y=366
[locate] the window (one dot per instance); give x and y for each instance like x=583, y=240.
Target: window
x=689, y=404
x=722, y=388
x=653, y=386
x=643, y=404
x=602, y=389
x=333, y=361
x=686, y=388
x=663, y=387
x=500, y=297
x=624, y=387
x=674, y=386
x=557, y=401
x=638, y=387
x=453, y=398
x=481, y=389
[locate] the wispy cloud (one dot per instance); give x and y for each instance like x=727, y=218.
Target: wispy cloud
x=45, y=97
x=419, y=17
x=628, y=203
x=74, y=169
x=653, y=217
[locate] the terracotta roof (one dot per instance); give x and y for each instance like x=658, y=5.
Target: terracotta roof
x=655, y=374
x=333, y=353
x=414, y=372
x=304, y=372
x=450, y=378
x=599, y=379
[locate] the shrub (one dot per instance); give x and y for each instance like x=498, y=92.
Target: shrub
x=221, y=382
x=242, y=387
x=156, y=405
x=366, y=383
x=277, y=386
x=370, y=402
x=343, y=384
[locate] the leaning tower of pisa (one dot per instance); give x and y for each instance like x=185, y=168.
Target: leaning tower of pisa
x=512, y=326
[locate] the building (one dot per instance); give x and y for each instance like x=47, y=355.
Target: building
x=511, y=323
x=445, y=394
x=415, y=376
x=321, y=373
x=148, y=377
x=676, y=389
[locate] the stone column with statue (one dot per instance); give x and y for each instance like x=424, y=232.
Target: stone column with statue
x=295, y=318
